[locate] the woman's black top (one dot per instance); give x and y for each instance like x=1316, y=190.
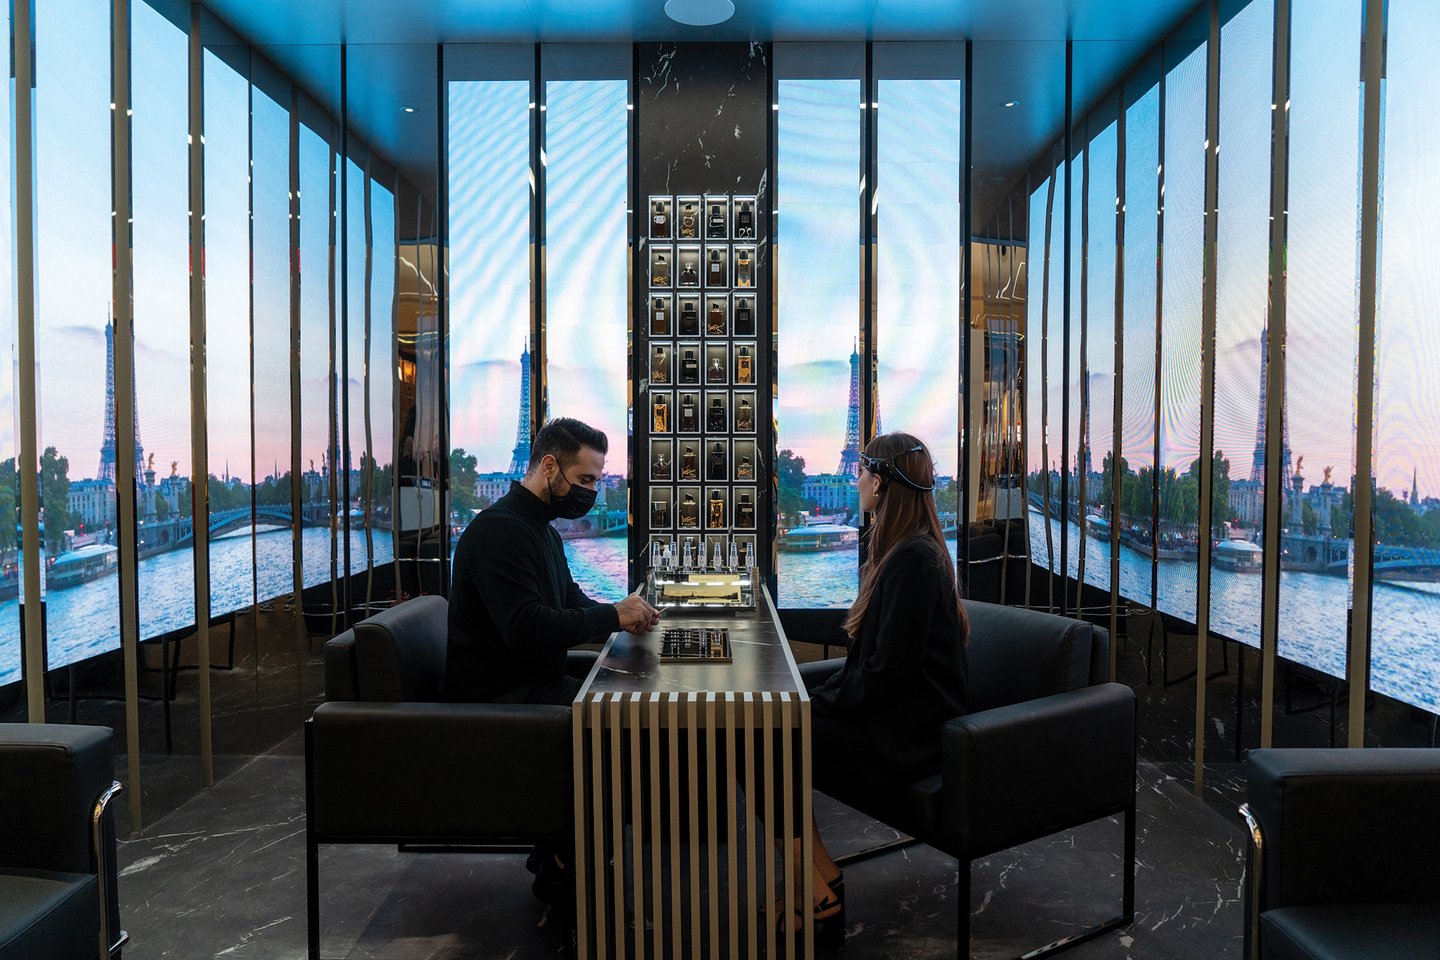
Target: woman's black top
x=905, y=673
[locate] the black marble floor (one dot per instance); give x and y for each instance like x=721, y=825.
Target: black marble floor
x=224, y=876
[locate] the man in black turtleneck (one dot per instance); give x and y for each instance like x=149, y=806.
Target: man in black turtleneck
x=514, y=608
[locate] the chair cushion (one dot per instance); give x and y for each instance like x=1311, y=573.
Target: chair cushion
x=1373, y=931
x=47, y=915
x=400, y=652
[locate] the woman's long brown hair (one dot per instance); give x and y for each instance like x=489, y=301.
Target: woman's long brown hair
x=901, y=514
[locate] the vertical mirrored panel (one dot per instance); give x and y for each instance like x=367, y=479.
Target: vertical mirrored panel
x=490, y=109
x=227, y=326
x=919, y=149
x=1043, y=484
x=817, y=290
x=1321, y=342
x=74, y=333
x=1069, y=380
x=270, y=311
x=586, y=295
x=1097, y=427
x=317, y=395
x=351, y=351
x=1137, y=419
x=160, y=197
x=1242, y=288
x=10, y=654
x=379, y=481
x=1405, y=657
x=1177, y=545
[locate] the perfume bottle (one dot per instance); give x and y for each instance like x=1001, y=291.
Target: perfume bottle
x=715, y=515
x=659, y=220
x=689, y=368
x=744, y=317
x=745, y=220
x=715, y=319
x=689, y=275
x=715, y=223
x=689, y=518
x=744, y=270
x=689, y=464
x=659, y=318
x=715, y=463
x=715, y=373
x=745, y=512
x=687, y=557
x=688, y=421
x=744, y=470
x=744, y=370
x=744, y=415
x=744, y=554
x=659, y=514
x=689, y=319
x=660, y=270
x=660, y=415
x=689, y=221
x=660, y=464
x=734, y=557
x=715, y=270
x=718, y=562
x=715, y=416
x=660, y=366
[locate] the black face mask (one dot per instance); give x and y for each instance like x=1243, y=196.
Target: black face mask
x=574, y=505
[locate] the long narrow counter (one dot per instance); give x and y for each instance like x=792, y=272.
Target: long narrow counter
x=707, y=765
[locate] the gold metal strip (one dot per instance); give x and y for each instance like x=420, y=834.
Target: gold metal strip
x=1207, y=388
x=807, y=830
x=597, y=773
x=692, y=738
x=746, y=737
x=1374, y=47
x=714, y=809
x=583, y=772
x=787, y=811
x=1274, y=477
x=617, y=824
x=125, y=465
x=655, y=816
x=199, y=406
x=767, y=818
x=28, y=466
x=732, y=838
x=673, y=732
x=637, y=827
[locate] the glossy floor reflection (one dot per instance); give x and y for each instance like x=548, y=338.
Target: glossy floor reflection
x=224, y=876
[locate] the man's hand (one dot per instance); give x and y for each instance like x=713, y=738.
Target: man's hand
x=636, y=616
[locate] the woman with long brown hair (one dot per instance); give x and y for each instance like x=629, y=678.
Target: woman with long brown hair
x=876, y=716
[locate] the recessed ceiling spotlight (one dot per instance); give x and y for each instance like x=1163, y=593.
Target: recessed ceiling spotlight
x=408, y=109
x=1011, y=103
x=699, y=13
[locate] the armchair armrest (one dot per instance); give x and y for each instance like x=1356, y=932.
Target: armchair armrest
x=1346, y=826
x=412, y=771
x=1018, y=772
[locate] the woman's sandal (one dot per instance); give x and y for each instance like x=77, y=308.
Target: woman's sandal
x=828, y=917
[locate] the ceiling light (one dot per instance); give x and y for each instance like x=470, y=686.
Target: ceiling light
x=408, y=109
x=699, y=13
x=1011, y=103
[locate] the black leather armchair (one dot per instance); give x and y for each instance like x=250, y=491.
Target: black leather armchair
x=1344, y=847
x=386, y=762
x=1048, y=745
x=58, y=896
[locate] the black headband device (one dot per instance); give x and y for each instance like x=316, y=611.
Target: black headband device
x=887, y=470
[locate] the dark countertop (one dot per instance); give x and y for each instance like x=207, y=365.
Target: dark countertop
x=760, y=658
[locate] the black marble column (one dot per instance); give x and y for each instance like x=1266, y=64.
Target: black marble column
x=703, y=127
